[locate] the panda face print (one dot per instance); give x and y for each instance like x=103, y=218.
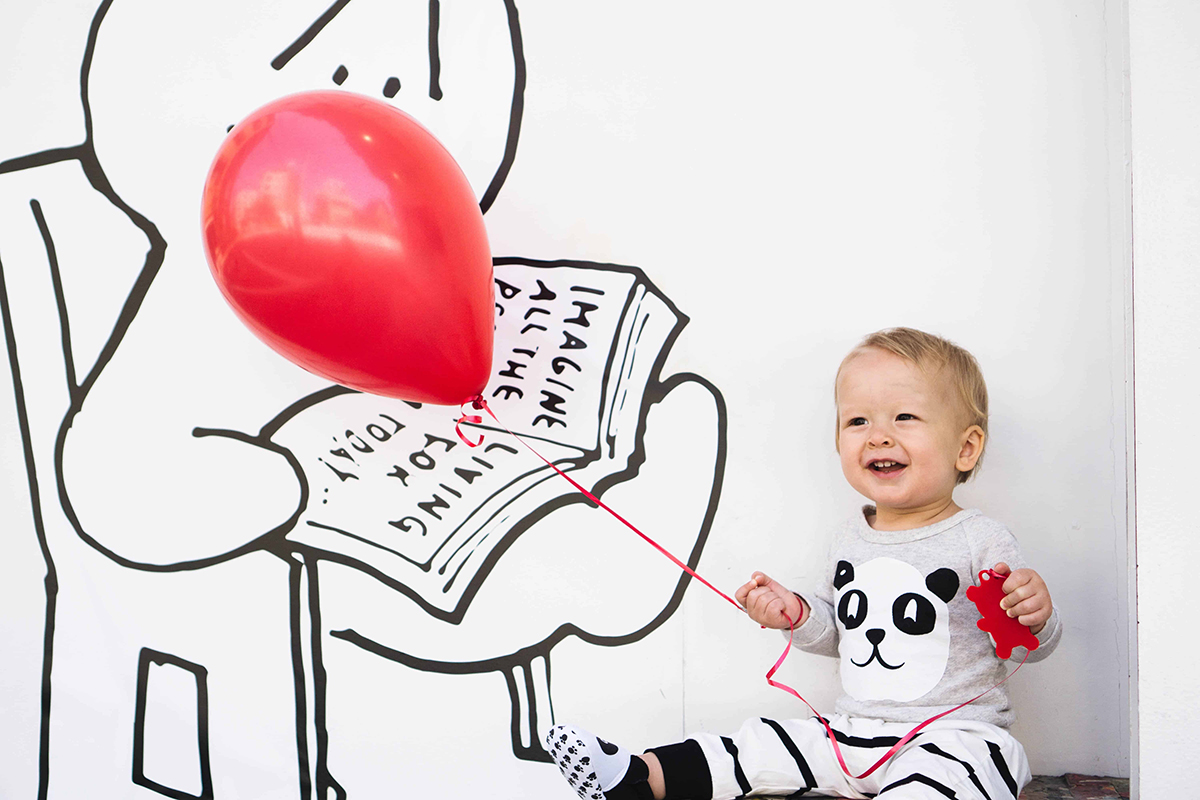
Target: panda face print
x=894, y=627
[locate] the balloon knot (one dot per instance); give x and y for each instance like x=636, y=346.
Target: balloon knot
x=478, y=403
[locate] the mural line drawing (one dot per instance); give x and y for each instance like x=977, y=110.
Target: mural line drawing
x=386, y=502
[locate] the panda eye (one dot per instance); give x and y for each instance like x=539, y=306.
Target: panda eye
x=852, y=609
x=913, y=614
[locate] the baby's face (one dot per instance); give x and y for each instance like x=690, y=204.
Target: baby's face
x=900, y=433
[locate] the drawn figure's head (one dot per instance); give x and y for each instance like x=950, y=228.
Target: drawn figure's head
x=911, y=418
x=168, y=80
x=894, y=626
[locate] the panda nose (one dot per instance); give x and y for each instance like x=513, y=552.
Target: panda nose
x=875, y=635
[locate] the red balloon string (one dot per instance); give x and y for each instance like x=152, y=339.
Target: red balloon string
x=480, y=403
x=472, y=418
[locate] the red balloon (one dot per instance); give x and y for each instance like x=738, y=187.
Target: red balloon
x=348, y=239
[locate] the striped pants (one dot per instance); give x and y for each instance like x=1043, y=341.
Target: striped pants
x=792, y=758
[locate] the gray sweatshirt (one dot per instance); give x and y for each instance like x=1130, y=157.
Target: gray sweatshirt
x=893, y=606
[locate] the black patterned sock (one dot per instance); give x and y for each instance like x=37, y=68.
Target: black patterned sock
x=596, y=769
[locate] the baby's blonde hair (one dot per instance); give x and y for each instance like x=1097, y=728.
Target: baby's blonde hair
x=935, y=356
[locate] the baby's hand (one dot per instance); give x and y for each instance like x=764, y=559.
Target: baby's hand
x=1026, y=597
x=770, y=604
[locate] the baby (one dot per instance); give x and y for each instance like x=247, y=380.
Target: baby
x=911, y=426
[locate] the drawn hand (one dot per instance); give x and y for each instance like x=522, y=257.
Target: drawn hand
x=770, y=603
x=576, y=569
x=1026, y=597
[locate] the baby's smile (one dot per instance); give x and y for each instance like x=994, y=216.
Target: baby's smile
x=885, y=466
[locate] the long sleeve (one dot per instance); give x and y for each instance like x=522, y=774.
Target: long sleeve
x=819, y=632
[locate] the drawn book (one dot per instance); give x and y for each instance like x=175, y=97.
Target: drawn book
x=394, y=492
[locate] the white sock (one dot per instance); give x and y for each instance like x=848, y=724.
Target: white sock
x=591, y=765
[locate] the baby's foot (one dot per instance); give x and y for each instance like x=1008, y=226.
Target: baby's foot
x=596, y=769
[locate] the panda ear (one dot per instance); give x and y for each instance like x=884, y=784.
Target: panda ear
x=943, y=582
x=843, y=575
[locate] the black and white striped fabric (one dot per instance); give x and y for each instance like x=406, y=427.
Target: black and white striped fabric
x=959, y=759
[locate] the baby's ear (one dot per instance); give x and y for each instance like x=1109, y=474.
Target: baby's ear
x=970, y=448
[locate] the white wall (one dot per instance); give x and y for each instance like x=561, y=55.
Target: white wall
x=791, y=175
x=1165, y=87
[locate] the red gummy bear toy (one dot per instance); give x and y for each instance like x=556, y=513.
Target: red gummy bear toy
x=1006, y=631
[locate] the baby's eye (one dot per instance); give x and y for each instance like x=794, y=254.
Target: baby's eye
x=904, y=416
x=856, y=421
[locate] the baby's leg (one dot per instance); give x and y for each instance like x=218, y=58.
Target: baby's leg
x=971, y=761
x=764, y=757
x=600, y=770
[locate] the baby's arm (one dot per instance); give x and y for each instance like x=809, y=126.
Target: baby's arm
x=771, y=604
x=1026, y=597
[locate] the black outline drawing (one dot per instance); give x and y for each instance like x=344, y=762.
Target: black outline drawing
x=306, y=629
x=435, y=72
x=147, y=658
x=517, y=667
x=280, y=61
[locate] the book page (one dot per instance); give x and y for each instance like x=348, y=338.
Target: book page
x=557, y=334
x=395, y=492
